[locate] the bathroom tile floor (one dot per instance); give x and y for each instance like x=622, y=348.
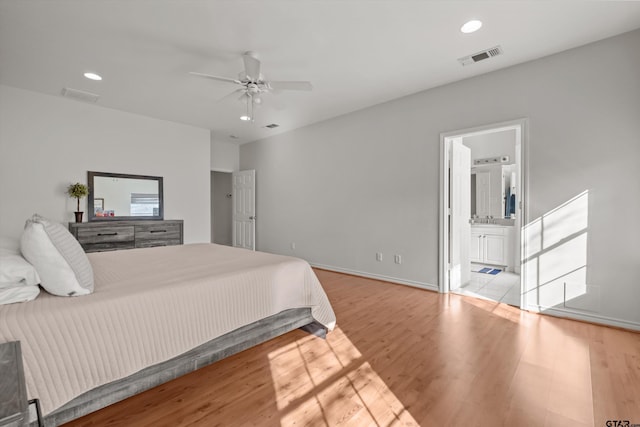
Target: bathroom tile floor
x=503, y=287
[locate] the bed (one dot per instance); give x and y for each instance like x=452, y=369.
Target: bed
x=155, y=314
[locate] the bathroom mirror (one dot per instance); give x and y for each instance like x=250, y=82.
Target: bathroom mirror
x=116, y=196
x=493, y=191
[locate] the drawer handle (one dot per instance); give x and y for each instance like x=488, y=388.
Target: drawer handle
x=107, y=234
x=158, y=231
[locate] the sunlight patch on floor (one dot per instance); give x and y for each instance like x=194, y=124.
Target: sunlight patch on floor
x=505, y=311
x=562, y=385
x=329, y=383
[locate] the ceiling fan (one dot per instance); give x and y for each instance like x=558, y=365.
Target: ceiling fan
x=253, y=85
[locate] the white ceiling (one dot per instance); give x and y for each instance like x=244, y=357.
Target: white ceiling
x=356, y=53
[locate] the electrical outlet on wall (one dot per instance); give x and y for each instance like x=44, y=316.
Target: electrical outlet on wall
x=397, y=259
x=378, y=256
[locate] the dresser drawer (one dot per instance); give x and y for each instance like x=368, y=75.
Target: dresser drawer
x=106, y=234
x=107, y=246
x=150, y=243
x=106, y=238
x=157, y=232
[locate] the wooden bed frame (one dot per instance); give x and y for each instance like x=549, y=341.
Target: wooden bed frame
x=203, y=355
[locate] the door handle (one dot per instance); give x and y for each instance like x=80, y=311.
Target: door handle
x=252, y=218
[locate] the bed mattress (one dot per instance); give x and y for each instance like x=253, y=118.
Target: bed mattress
x=149, y=306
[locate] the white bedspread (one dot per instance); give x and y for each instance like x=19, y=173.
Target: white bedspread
x=150, y=305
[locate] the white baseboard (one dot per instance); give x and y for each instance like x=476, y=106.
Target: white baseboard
x=415, y=284
x=586, y=317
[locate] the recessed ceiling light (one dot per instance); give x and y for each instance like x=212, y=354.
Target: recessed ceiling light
x=471, y=26
x=245, y=118
x=93, y=76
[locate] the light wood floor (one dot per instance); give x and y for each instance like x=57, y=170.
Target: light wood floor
x=402, y=356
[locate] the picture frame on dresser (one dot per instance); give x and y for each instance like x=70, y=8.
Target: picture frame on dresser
x=98, y=204
x=131, y=197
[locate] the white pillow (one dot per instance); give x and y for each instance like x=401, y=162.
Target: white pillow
x=62, y=265
x=18, y=294
x=16, y=271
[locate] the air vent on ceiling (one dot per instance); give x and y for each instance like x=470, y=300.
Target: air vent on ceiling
x=80, y=95
x=480, y=56
x=272, y=126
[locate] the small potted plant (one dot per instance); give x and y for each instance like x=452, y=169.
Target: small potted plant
x=78, y=191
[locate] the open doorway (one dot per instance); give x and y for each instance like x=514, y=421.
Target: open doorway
x=482, y=195
x=233, y=208
x=221, y=208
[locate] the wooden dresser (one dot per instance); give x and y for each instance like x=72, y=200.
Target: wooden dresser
x=101, y=236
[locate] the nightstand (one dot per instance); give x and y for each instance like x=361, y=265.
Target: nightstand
x=14, y=407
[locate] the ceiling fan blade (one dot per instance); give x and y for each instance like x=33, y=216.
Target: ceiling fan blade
x=221, y=79
x=290, y=85
x=230, y=95
x=251, y=66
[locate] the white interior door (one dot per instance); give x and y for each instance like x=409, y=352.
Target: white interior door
x=460, y=204
x=244, y=209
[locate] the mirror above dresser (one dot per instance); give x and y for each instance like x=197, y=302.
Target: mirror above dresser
x=117, y=196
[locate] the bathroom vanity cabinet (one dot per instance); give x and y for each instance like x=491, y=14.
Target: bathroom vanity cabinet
x=490, y=244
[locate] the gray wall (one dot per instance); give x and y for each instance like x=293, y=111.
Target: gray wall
x=225, y=156
x=367, y=182
x=48, y=142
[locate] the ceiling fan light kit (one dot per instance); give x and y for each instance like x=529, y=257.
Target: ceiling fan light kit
x=252, y=84
x=249, y=116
